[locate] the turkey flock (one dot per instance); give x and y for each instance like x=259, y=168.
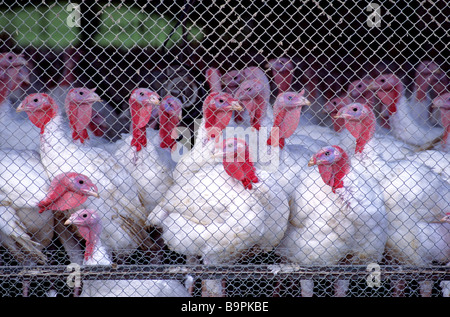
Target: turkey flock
x=355, y=178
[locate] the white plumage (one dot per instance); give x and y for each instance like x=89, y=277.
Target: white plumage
x=25, y=191
x=334, y=220
x=402, y=122
x=218, y=217
x=119, y=203
x=415, y=197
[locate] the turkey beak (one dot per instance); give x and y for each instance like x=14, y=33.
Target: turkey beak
x=92, y=192
x=235, y=105
x=94, y=98
x=21, y=108
x=312, y=162
x=305, y=102
x=373, y=86
x=69, y=221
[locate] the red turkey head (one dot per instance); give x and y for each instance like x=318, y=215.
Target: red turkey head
x=13, y=74
x=68, y=191
x=251, y=93
x=282, y=72
x=90, y=227
x=287, y=110
x=360, y=121
x=333, y=106
x=389, y=89
x=333, y=165
x=40, y=108
x=237, y=161
x=12, y=60
x=217, y=110
x=358, y=91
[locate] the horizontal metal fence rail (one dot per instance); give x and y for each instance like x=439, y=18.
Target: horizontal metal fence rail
x=119, y=272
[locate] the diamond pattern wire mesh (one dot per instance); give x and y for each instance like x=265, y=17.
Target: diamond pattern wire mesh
x=198, y=225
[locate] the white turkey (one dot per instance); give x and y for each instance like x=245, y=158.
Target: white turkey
x=25, y=194
x=413, y=194
x=224, y=211
x=397, y=112
x=340, y=218
x=438, y=157
x=217, y=110
x=105, y=124
x=119, y=201
x=388, y=147
x=90, y=226
x=147, y=153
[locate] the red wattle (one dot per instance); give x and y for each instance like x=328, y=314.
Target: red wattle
x=80, y=135
x=139, y=139
x=167, y=124
x=242, y=171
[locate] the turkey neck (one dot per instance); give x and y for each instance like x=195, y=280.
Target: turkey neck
x=286, y=121
x=362, y=130
x=391, y=100
x=216, y=121
x=95, y=252
x=139, y=118
x=43, y=118
x=168, y=123
x=256, y=108
x=79, y=118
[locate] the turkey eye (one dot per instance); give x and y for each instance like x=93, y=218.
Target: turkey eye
x=81, y=93
x=81, y=182
x=359, y=86
x=221, y=100
x=84, y=216
x=10, y=57
x=142, y=94
x=355, y=109
x=334, y=103
x=383, y=80
x=289, y=97
x=327, y=153
x=35, y=100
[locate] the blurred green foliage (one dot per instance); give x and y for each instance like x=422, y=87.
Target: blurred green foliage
x=122, y=26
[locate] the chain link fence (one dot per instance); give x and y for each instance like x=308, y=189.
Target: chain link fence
x=201, y=163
